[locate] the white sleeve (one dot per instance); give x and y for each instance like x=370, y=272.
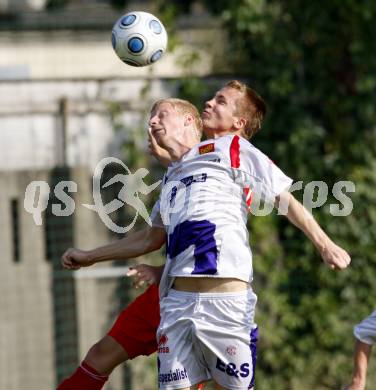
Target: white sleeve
x=258, y=172
x=366, y=330
x=155, y=216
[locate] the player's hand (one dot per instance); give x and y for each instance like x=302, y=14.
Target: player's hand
x=334, y=256
x=76, y=258
x=159, y=153
x=144, y=273
x=355, y=386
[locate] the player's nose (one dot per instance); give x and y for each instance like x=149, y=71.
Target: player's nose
x=209, y=103
x=153, y=120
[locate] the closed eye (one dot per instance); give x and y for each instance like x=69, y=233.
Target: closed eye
x=163, y=114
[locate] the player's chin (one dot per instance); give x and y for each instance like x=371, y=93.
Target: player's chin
x=209, y=127
x=206, y=122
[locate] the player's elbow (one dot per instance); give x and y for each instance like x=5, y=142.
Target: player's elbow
x=156, y=239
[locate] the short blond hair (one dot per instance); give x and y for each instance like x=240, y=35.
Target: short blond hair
x=251, y=106
x=183, y=107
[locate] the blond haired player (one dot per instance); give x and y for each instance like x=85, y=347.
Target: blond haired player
x=207, y=303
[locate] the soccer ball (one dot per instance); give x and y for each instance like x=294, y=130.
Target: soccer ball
x=139, y=38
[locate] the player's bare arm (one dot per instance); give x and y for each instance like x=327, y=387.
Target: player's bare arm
x=333, y=255
x=361, y=357
x=133, y=245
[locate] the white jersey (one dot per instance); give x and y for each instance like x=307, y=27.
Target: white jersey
x=366, y=330
x=204, y=205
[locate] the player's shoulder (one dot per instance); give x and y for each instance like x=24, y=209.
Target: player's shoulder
x=243, y=154
x=213, y=145
x=237, y=144
x=229, y=140
x=231, y=146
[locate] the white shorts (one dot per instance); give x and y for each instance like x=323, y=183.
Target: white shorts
x=205, y=336
x=366, y=330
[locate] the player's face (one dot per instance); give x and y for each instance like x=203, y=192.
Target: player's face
x=218, y=117
x=165, y=124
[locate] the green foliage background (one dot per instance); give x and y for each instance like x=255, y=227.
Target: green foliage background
x=315, y=65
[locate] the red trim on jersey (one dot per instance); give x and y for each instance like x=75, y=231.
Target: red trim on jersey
x=235, y=152
x=248, y=196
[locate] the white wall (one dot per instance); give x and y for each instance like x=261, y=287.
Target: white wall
x=30, y=122
x=67, y=54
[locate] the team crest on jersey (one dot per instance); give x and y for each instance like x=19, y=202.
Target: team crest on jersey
x=162, y=347
x=208, y=148
x=231, y=350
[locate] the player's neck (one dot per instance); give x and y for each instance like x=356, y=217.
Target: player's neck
x=178, y=150
x=214, y=133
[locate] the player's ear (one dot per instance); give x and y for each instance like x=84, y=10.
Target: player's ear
x=188, y=120
x=239, y=123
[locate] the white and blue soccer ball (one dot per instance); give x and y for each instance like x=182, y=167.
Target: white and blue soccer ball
x=139, y=38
